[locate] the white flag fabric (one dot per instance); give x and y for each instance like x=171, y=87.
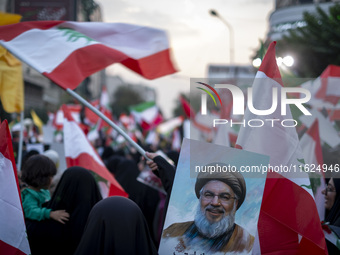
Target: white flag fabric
x=288, y=221
x=79, y=152
x=330, y=85
x=67, y=52
x=13, y=237
x=328, y=134
x=312, y=152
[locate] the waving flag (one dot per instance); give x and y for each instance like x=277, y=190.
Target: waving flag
x=58, y=120
x=37, y=121
x=13, y=237
x=312, y=152
x=288, y=221
x=67, y=52
x=11, y=80
x=330, y=85
x=147, y=115
x=79, y=152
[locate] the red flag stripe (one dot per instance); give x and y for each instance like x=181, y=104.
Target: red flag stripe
x=94, y=58
x=6, y=148
x=86, y=161
x=153, y=66
x=7, y=249
x=14, y=30
x=273, y=205
x=269, y=66
x=84, y=62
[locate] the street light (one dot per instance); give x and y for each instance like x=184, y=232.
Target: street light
x=231, y=34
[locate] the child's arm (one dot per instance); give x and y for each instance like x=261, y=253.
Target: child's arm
x=60, y=215
x=33, y=212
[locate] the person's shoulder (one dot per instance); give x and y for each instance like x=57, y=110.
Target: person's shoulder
x=28, y=192
x=177, y=229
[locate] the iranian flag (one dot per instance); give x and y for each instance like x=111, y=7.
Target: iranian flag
x=13, y=237
x=312, y=152
x=288, y=222
x=67, y=52
x=79, y=152
x=147, y=115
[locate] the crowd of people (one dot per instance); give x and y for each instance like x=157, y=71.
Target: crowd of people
x=69, y=215
x=61, y=216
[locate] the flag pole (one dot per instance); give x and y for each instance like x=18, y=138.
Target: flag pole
x=21, y=140
x=107, y=120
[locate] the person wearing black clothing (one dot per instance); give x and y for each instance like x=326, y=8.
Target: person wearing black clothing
x=77, y=192
x=116, y=225
x=126, y=172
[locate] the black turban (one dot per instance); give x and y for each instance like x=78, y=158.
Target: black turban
x=234, y=180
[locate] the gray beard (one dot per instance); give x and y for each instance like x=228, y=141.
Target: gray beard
x=213, y=230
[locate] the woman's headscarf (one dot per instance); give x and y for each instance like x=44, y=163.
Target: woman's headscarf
x=126, y=172
x=333, y=216
x=116, y=225
x=77, y=192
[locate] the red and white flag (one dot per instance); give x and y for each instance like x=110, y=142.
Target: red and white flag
x=329, y=90
x=288, y=222
x=312, y=152
x=13, y=237
x=67, y=52
x=79, y=152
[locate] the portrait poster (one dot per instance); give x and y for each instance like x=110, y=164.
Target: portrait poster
x=180, y=233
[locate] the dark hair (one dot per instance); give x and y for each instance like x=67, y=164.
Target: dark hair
x=37, y=171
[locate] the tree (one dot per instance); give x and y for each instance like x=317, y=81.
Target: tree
x=316, y=45
x=124, y=97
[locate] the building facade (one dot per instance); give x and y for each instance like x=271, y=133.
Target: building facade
x=288, y=14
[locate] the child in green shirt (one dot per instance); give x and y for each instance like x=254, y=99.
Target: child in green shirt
x=37, y=173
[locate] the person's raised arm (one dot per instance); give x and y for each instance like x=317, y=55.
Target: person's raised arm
x=163, y=169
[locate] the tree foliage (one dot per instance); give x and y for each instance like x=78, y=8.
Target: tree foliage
x=124, y=97
x=316, y=45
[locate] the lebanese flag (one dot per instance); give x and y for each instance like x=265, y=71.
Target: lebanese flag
x=13, y=237
x=147, y=115
x=330, y=85
x=312, y=152
x=79, y=152
x=288, y=222
x=67, y=52
x=58, y=120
